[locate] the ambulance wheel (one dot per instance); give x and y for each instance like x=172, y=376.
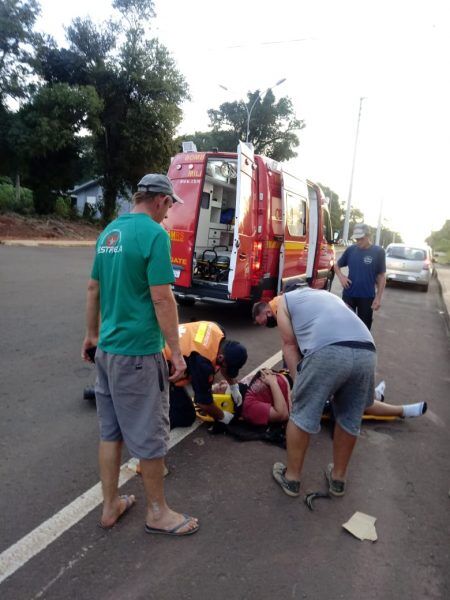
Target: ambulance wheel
x=185, y=300
x=89, y=393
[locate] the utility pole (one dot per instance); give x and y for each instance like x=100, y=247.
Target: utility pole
x=378, y=236
x=349, y=200
x=258, y=97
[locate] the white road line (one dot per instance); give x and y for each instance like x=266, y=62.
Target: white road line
x=37, y=540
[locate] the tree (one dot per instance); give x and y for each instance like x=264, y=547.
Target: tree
x=17, y=19
x=440, y=240
x=139, y=86
x=47, y=140
x=273, y=126
x=336, y=208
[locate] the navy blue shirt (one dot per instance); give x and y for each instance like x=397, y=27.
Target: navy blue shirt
x=364, y=265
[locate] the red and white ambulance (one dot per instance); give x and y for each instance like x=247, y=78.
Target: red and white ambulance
x=246, y=228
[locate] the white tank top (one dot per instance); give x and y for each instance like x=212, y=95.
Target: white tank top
x=320, y=319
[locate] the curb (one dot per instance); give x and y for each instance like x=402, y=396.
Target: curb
x=44, y=242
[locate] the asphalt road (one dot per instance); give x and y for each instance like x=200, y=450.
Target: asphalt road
x=255, y=542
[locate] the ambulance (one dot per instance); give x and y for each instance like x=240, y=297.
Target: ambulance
x=246, y=228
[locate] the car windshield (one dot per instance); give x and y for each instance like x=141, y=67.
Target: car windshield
x=406, y=253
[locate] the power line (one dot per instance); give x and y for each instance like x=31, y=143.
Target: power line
x=267, y=43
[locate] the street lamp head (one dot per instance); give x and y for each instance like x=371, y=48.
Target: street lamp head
x=280, y=82
x=223, y=87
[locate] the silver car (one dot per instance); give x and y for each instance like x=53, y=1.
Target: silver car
x=409, y=264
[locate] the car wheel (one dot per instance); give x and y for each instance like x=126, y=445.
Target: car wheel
x=424, y=288
x=185, y=300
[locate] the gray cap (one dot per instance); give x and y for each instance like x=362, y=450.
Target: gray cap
x=161, y=184
x=360, y=230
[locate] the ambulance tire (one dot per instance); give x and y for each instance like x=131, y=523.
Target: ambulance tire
x=185, y=300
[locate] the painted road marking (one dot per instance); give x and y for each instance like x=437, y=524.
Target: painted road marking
x=37, y=540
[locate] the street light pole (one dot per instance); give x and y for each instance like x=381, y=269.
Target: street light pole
x=380, y=214
x=349, y=200
x=249, y=112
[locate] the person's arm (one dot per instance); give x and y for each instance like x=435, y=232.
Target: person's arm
x=380, y=280
x=381, y=284
x=342, y=262
x=289, y=343
x=92, y=318
x=201, y=373
x=167, y=316
x=279, y=410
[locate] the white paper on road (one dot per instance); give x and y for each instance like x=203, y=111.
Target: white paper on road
x=362, y=526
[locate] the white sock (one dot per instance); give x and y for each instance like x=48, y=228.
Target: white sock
x=227, y=416
x=414, y=410
x=379, y=390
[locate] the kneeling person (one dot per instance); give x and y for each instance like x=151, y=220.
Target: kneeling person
x=207, y=351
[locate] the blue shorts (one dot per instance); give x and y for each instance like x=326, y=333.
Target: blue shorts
x=347, y=374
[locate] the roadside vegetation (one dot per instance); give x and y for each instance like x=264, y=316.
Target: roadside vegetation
x=440, y=242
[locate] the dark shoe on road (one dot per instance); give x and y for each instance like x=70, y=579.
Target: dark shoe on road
x=335, y=487
x=289, y=486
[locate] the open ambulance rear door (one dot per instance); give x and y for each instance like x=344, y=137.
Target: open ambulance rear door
x=295, y=250
x=244, y=230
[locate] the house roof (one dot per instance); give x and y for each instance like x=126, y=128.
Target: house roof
x=85, y=186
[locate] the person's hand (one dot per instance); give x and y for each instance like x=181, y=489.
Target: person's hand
x=236, y=394
x=268, y=377
x=177, y=367
x=220, y=387
x=376, y=304
x=346, y=282
x=88, y=343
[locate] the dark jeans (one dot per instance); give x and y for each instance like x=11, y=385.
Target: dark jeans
x=362, y=307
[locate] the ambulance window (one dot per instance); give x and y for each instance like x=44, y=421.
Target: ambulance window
x=295, y=214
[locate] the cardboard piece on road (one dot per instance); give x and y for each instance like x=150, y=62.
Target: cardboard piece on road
x=362, y=526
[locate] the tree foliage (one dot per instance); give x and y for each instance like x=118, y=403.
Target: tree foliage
x=140, y=88
x=107, y=103
x=17, y=38
x=47, y=138
x=273, y=126
x=440, y=240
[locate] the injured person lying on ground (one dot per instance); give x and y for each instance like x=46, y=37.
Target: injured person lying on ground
x=267, y=399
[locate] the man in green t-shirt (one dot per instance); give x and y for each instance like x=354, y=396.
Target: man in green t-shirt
x=131, y=312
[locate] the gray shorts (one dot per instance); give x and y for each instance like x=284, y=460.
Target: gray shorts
x=132, y=395
x=348, y=374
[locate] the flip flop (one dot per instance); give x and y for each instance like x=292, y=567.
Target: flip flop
x=175, y=531
x=129, y=503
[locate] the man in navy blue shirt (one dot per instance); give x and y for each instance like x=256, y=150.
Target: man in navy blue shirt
x=366, y=280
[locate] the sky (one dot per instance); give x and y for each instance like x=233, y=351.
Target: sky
x=393, y=53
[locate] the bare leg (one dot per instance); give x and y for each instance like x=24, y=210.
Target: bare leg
x=109, y=454
x=159, y=515
x=343, y=444
x=297, y=442
x=382, y=409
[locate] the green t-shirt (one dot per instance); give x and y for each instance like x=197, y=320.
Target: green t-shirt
x=132, y=253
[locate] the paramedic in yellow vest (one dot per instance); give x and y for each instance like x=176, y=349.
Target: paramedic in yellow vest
x=206, y=351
